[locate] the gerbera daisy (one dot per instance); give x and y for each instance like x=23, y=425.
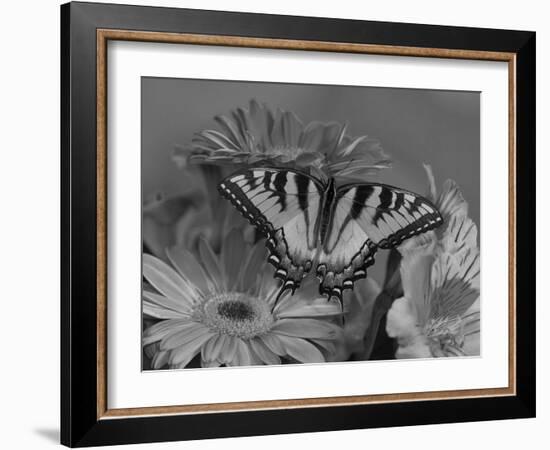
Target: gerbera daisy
x=224, y=307
x=439, y=312
x=259, y=136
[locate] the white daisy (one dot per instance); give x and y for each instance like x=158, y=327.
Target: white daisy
x=224, y=307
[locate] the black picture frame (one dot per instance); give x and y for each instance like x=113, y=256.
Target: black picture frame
x=80, y=425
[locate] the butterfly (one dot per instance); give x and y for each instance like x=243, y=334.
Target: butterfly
x=309, y=222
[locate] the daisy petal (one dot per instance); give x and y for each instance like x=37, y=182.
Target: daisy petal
x=242, y=355
x=260, y=122
x=308, y=158
x=188, y=266
x=306, y=328
x=210, y=363
x=282, y=300
x=229, y=349
x=232, y=256
x=220, y=139
x=213, y=347
x=230, y=130
x=183, y=336
x=343, y=152
x=263, y=352
x=160, y=330
x=268, y=286
x=301, y=350
x=152, y=310
x=178, y=306
x=328, y=345
x=210, y=262
x=233, y=219
x=166, y=280
x=249, y=272
x=322, y=136
x=150, y=350
x=273, y=343
x=312, y=136
x=277, y=136
x=160, y=359
x=358, y=168
x=255, y=360
x=313, y=309
x=185, y=353
x=291, y=129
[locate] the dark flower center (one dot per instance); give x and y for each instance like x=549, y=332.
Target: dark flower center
x=236, y=310
x=236, y=314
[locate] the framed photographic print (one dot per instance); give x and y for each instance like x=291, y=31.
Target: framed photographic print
x=276, y=224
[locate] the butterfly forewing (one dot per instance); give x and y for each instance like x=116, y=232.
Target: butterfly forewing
x=366, y=217
x=284, y=205
x=388, y=215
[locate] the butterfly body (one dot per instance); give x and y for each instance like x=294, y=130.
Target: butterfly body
x=326, y=208
x=309, y=222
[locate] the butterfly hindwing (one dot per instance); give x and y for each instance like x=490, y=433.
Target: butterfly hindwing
x=284, y=205
x=366, y=217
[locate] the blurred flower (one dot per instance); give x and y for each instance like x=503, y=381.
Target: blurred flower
x=260, y=137
x=358, y=315
x=168, y=221
x=439, y=312
x=182, y=220
x=224, y=307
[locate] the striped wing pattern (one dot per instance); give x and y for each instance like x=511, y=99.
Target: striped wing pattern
x=288, y=208
x=284, y=205
x=366, y=217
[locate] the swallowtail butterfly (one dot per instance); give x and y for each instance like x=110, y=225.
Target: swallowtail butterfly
x=310, y=223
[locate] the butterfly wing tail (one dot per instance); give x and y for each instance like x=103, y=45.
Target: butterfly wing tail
x=334, y=281
x=286, y=270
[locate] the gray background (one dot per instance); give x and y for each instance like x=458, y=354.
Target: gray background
x=440, y=128
x=415, y=126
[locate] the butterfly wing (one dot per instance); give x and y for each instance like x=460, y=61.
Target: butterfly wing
x=366, y=217
x=284, y=205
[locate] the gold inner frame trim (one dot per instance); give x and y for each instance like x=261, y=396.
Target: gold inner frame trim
x=103, y=36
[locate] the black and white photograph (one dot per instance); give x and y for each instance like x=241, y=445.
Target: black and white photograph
x=275, y=225
x=299, y=223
